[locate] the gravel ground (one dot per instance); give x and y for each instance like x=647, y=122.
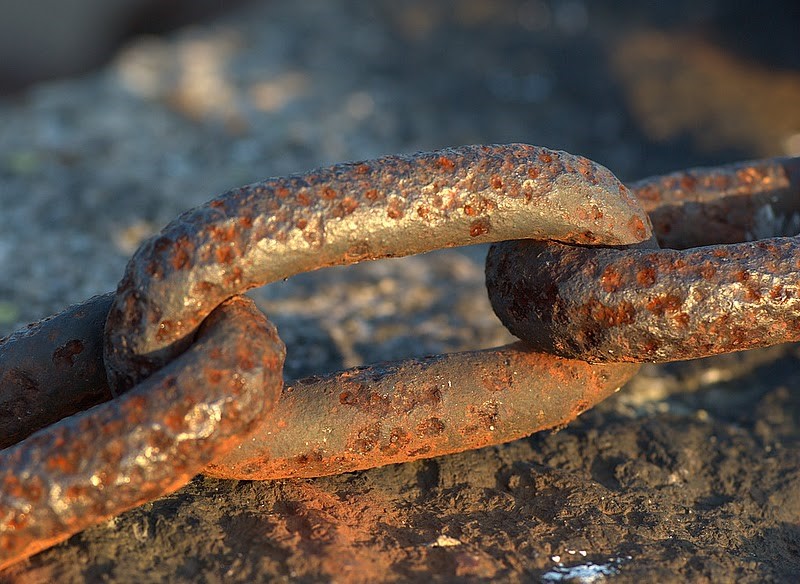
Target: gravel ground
x=689, y=474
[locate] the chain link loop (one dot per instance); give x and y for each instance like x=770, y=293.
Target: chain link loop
x=640, y=305
x=196, y=368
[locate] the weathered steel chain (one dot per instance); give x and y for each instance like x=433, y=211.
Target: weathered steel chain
x=196, y=368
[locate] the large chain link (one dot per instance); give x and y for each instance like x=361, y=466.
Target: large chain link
x=196, y=368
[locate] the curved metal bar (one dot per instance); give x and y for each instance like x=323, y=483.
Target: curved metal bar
x=639, y=305
x=149, y=442
x=52, y=369
x=393, y=206
x=402, y=411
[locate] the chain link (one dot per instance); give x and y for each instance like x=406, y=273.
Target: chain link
x=196, y=368
x=639, y=305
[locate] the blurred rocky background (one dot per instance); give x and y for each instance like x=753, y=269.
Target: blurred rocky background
x=118, y=115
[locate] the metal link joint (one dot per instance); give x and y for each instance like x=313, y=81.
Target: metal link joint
x=195, y=368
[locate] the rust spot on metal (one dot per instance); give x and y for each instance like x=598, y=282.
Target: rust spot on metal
x=141, y=449
x=395, y=209
x=646, y=276
x=346, y=207
x=430, y=427
x=225, y=254
x=65, y=355
x=664, y=303
x=611, y=280
x=479, y=227
x=445, y=163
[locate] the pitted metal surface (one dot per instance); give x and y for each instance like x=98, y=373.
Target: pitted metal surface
x=196, y=369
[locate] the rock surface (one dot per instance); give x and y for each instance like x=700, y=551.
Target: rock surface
x=691, y=473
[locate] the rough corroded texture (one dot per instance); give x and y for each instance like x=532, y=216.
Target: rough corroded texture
x=397, y=412
x=415, y=409
x=726, y=204
x=644, y=305
x=150, y=442
x=52, y=369
x=393, y=206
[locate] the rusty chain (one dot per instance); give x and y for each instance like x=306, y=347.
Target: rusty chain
x=124, y=398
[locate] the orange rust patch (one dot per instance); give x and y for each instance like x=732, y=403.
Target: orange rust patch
x=479, y=227
x=346, y=207
x=611, y=280
x=682, y=319
x=609, y=316
x=395, y=209
x=213, y=375
x=646, y=277
x=708, y=270
x=182, y=253
x=154, y=270
x=223, y=234
x=638, y=227
x=688, y=183
x=430, y=427
x=225, y=254
x=752, y=294
x=664, y=303
x=445, y=163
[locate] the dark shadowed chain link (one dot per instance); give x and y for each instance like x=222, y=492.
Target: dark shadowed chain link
x=198, y=376
x=638, y=305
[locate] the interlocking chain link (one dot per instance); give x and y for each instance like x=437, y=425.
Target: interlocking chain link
x=199, y=393
x=390, y=207
x=640, y=305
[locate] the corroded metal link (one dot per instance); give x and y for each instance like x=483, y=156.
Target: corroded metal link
x=52, y=369
x=393, y=206
x=733, y=203
x=665, y=305
x=145, y=444
x=376, y=415
x=397, y=412
x=75, y=472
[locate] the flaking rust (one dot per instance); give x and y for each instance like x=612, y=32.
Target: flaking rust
x=150, y=442
x=637, y=305
x=189, y=415
x=52, y=369
x=397, y=412
x=389, y=207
